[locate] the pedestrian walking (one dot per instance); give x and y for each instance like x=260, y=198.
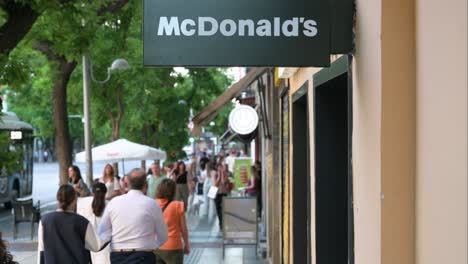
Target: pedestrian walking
x=209, y=174
x=167, y=169
x=192, y=180
x=258, y=168
x=110, y=180
x=154, y=179
x=75, y=179
x=124, y=185
x=92, y=208
x=173, y=174
x=134, y=224
x=172, y=252
x=221, y=180
x=254, y=181
x=64, y=236
x=231, y=160
x=180, y=178
x=204, y=160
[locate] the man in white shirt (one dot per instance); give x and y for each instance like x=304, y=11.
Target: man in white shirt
x=231, y=160
x=134, y=224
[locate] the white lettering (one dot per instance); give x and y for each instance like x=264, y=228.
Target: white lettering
x=223, y=27
x=202, y=29
x=290, y=27
x=264, y=28
x=249, y=24
x=310, y=28
x=209, y=26
x=168, y=27
x=277, y=23
x=184, y=27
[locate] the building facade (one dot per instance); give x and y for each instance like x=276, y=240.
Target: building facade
x=372, y=152
x=366, y=161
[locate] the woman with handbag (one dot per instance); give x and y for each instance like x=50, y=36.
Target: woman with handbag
x=221, y=180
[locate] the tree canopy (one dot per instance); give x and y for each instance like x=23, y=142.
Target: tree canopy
x=148, y=105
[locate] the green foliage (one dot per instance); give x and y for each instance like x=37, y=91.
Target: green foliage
x=31, y=100
x=70, y=26
x=15, y=70
x=8, y=159
x=156, y=101
x=3, y=17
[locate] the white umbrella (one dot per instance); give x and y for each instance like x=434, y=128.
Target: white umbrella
x=121, y=150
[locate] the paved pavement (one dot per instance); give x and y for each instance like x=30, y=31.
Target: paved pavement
x=205, y=237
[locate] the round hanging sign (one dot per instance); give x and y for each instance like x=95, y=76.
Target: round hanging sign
x=243, y=119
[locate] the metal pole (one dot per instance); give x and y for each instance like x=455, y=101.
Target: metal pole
x=87, y=119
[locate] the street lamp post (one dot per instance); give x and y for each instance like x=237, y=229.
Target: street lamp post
x=118, y=64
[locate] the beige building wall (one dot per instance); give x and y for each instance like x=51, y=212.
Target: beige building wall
x=398, y=131
x=410, y=132
x=441, y=191
x=367, y=79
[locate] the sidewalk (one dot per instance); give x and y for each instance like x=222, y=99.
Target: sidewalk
x=206, y=244
x=205, y=238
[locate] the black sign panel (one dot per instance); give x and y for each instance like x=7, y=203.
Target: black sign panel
x=237, y=33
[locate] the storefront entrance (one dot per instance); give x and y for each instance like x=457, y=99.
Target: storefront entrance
x=301, y=177
x=333, y=179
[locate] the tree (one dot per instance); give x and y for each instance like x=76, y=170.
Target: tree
x=56, y=36
x=31, y=100
x=142, y=104
x=16, y=19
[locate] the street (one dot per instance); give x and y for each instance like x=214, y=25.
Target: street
x=45, y=185
x=45, y=178
x=204, y=232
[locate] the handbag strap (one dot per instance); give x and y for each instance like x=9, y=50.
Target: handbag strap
x=166, y=205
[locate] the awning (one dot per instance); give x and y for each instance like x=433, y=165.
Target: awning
x=210, y=112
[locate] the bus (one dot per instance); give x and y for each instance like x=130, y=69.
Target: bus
x=19, y=183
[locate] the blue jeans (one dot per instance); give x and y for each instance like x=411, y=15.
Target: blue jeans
x=134, y=257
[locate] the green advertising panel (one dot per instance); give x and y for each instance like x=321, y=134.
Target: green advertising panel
x=237, y=33
x=242, y=172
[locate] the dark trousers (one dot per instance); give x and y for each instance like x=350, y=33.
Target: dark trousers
x=169, y=256
x=219, y=208
x=134, y=257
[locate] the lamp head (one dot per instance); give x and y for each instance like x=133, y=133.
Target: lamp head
x=119, y=64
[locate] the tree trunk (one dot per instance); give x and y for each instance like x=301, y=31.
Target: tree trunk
x=62, y=133
x=21, y=17
x=63, y=145
x=117, y=120
x=144, y=140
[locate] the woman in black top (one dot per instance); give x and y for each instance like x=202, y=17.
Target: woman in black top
x=64, y=236
x=180, y=177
